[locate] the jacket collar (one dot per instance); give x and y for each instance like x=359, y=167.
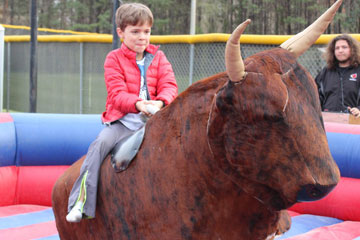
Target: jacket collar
x=131, y=54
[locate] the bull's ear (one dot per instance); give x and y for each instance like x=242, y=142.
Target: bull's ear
x=220, y=113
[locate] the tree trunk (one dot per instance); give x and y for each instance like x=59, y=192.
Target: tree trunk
x=5, y=11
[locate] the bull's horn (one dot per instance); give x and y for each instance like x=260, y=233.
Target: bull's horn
x=233, y=61
x=299, y=43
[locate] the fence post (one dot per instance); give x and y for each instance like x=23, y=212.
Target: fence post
x=33, y=56
x=191, y=64
x=81, y=76
x=192, y=32
x=115, y=42
x=8, y=73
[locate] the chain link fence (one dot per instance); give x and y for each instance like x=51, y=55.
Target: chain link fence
x=70, y=74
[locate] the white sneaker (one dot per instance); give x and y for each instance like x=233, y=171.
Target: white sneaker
x=75, y=215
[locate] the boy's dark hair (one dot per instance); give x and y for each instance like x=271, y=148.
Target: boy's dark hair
x=133, y=14
x=331, y=60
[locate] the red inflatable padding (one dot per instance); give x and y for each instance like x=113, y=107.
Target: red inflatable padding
x=28, y=185
x=35, y=184
x=342, y=128
x=6, y=211
x=347, y=230
x=8, y=181
x=342, y=202
x=5, y=117
x=34, y=231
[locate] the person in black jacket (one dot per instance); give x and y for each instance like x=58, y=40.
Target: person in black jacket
x=339, y=81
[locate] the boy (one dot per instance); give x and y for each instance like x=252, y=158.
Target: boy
x=136, y=74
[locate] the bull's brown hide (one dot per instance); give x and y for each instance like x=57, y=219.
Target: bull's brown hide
x=174, y=189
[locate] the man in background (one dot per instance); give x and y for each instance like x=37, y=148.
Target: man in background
x=339, y=81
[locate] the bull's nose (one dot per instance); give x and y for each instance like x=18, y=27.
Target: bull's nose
x=313, y=192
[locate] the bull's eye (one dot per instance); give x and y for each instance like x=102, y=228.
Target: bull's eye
x=314, y=192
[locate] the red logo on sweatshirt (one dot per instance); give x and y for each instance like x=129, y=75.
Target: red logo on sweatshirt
x=353, y=77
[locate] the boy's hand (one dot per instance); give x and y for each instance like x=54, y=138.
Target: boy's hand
x=157, y=103
x=141, y=106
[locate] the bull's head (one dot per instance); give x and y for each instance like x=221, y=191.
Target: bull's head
x=266, y=126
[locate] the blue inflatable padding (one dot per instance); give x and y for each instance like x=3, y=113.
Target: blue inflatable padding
x=346, y=152
x=53, y=237
x=306, y=222
x=53, y=139
x=7, y=144
x=25, y=219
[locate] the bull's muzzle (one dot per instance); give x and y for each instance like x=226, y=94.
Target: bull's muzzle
x=312, y=192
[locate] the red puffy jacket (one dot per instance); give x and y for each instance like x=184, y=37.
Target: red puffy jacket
x=122, y=79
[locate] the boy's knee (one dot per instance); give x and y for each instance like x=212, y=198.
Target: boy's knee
x=107, y=139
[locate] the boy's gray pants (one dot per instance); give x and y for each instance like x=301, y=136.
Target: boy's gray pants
x=90, y=169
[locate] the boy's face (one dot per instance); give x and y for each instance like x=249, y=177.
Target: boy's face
x=136, y=38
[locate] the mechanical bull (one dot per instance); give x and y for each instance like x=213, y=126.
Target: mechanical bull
x=223, y=160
